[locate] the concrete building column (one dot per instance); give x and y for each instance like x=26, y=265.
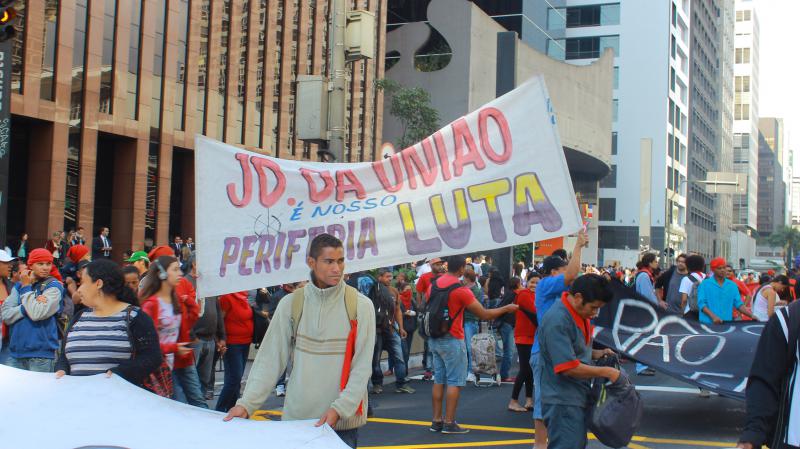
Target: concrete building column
x=46, y=181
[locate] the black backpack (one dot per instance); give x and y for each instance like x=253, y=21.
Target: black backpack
x=435, y=321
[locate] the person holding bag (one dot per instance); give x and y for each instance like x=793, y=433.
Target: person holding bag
x=111, y=335
x=174, y=316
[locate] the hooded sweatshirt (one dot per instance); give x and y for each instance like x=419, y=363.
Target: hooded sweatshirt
x=318, y=358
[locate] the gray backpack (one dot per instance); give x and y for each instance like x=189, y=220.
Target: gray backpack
x=692, y=299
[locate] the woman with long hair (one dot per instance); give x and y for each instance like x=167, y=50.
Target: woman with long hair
x=524, y=333
x=174, y=316
x=111, y=335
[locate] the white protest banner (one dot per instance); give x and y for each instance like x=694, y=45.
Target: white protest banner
x=494, y=178
x=40, y=411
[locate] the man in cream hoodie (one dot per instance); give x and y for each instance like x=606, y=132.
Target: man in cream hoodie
x=318, y=343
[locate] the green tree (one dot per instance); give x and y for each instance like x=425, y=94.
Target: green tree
x=787, y=238
x=412, y=107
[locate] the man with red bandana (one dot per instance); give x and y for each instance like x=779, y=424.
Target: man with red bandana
x=31, y=312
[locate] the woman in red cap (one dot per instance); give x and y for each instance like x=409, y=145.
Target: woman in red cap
x=174, y=314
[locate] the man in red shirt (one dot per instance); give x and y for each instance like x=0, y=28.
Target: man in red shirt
x=424, y=281
x=449, y=352
x=423, y=285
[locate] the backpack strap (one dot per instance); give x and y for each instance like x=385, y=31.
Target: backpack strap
x=351, y=302
x=298, y=301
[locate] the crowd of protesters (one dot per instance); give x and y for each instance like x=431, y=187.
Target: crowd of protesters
x=68, y=308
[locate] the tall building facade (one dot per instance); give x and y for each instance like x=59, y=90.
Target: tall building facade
x=772, y=185
x=745, y=125
x=708, y=224
x=108, y=96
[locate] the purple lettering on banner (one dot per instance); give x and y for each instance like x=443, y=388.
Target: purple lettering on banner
x=455, y=237
x=351, y=230
x=531, y=206
x=337, y=230
x=230, y=253
x=366, y=239
x=247, y=253
x=262, y=257
x=291, y=246
x=276, y=256
x=488, y=193
x=415, y=245
x=312, y=234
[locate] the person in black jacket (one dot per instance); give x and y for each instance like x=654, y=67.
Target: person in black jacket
x=505, y=326
x=773, y=408
x=92, y=343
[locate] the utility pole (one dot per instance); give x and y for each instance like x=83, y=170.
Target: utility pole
x=5, y=135
x=337, y=124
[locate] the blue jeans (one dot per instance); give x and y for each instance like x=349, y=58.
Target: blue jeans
x=390, y=341
x=204, y=351
x=5, y=353
x=507, y=334
x=350, y=437
x=187, y=386
x=36, y=364
x=470, y=329
x=537, y=386
x=235, y=359
x=407, y=347
x=449, y=361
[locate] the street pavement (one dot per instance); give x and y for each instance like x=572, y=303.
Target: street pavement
x=675, y=417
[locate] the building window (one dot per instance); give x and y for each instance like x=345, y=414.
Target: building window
x=49, y=41
x=610, y=181
x=741, y=112
x=671, y=112
x=614, y=143
x=71, y=191
x=614, y=110
x=243, y=57
x=222, y=85
x=742, y=84
x=670, y=145
x=158, y=65
x=593, y=15
x=18, y=48
x=134, y=56
x=107, y=58
x=608, y=209
x=616, y=77
x=180, y=64
x=672, y=78
x=555, y=49
x=556, y=19
x=743, y=55
x=590, y=47
x=202, y=68
x=743, y=16
x=260, y=75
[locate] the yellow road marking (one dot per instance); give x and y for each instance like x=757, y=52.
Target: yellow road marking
x=260, y=415
x=447, y=445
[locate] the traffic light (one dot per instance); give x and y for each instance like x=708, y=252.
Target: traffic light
x=7, y=16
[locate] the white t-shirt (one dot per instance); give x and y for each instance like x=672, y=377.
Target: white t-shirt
x=686, y=285
x=168, y=326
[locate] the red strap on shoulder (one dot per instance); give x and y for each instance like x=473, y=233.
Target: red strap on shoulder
x=349, y=352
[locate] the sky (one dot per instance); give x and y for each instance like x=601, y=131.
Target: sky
x=779, y=72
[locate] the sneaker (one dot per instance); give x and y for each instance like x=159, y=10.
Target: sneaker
x=209, y=395
x=648, y=372
x=453, y=428
x=705, y=394
x=405, y=389
x=280, y=391
x=377, y=389
x=471, y=377
x=437, y=426
x=509, y=379
x=388, y=373
x=427, y=376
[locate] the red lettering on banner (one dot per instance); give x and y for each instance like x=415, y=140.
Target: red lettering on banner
x=268, y=199
x=498, y=117
x=247, y=184
x=380, y=172
x=346, y=181
x=428, y=170
x=441, y=150
x=463, y=137
x=315, y=195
